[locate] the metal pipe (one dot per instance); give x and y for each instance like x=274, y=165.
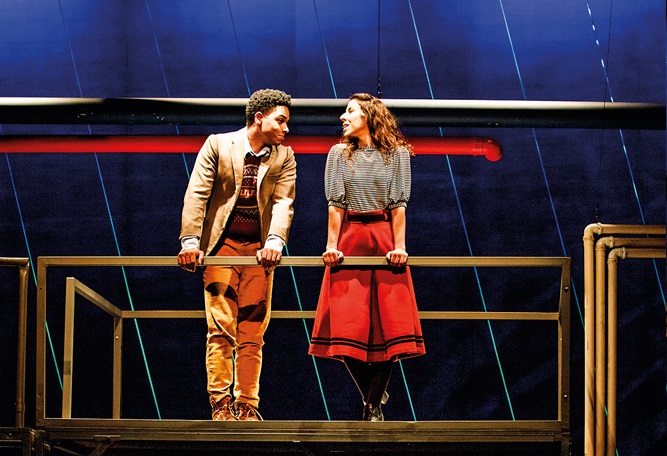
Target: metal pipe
x=612, y=340
x=471, y=145
x=601, y=325
x=322, y=112
x=24, y=266
x=589, y=340
x=589, y=317
x=22, y=341
x=600, y=354
x=612, y=330
x=423, y=145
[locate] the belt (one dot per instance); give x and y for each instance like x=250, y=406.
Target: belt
x=367, y=217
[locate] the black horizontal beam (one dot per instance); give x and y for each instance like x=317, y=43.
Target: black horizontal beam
x=326, y=112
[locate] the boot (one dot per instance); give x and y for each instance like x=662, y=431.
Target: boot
x=372, y=413
x=377, y=390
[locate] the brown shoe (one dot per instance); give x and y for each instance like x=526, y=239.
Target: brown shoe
x=223, y=410
x=246, y=412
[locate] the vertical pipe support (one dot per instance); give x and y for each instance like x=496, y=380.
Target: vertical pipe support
x=68, y=350
x=612, y=329
x=600, y=343
x=564, y=324
x=589, y=338
x=117, y=365
x=612, y=340
x=24, y=267
x=40, y=345
x=590, y=231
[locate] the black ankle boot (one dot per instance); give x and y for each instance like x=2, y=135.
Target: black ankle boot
x=372, y=413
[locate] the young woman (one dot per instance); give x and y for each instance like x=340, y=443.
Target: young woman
x=367, y=317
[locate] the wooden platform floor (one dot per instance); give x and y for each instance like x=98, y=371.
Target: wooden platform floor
x=203, y=438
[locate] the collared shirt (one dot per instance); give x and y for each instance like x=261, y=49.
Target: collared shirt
x=248, y=150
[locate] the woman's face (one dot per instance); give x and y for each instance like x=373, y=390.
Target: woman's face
x=354, y=121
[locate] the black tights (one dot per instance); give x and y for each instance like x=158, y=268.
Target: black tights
x=371, y=378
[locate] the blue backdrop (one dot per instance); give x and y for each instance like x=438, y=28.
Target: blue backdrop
x=536, y=201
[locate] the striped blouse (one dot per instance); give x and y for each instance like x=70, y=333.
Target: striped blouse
x=370, y=183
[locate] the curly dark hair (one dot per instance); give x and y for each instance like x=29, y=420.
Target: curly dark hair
x=382, y=126
x=264, y=101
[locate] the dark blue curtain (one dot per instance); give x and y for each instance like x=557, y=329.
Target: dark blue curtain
x=536, y=201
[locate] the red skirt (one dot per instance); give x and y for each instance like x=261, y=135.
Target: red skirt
x=367, y=313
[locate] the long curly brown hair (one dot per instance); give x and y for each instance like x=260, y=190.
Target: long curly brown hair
x=382, y=126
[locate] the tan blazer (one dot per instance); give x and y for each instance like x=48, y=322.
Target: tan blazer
x=215, y=185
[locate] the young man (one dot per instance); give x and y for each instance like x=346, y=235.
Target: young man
x=239, y=202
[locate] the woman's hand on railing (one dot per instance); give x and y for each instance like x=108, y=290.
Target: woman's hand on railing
x=332, y=257
x=397, y=258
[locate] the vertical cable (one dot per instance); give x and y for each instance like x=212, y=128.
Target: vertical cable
x=238, y=48
x=604, y=99
x=291, y=268
x=379, y=95
x=620, y=133
x=605, y=68
x=379, y=84
x=164, y=76
x=539, y=156
x=465, y=229
x=159, y=54
x=324, y=48
x=305, y=327
x=33, y=270
x=113, y=229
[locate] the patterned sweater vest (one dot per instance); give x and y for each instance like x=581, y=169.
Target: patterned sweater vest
x=244, y=220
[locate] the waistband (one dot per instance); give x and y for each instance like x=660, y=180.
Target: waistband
x=367, y=217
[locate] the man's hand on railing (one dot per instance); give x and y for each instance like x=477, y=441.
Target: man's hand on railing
x=188, y=259
x=268, y=258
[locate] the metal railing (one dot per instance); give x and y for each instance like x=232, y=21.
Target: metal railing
x=547, y=430
x=604, y=244
x=24, y=267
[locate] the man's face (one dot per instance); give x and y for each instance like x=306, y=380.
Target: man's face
x=273, y=126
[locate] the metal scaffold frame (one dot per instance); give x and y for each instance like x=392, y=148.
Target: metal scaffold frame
x=118, y=432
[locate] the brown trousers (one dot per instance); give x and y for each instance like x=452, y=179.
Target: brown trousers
x=238, y=308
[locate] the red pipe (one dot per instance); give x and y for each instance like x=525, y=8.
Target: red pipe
x=472, y=145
